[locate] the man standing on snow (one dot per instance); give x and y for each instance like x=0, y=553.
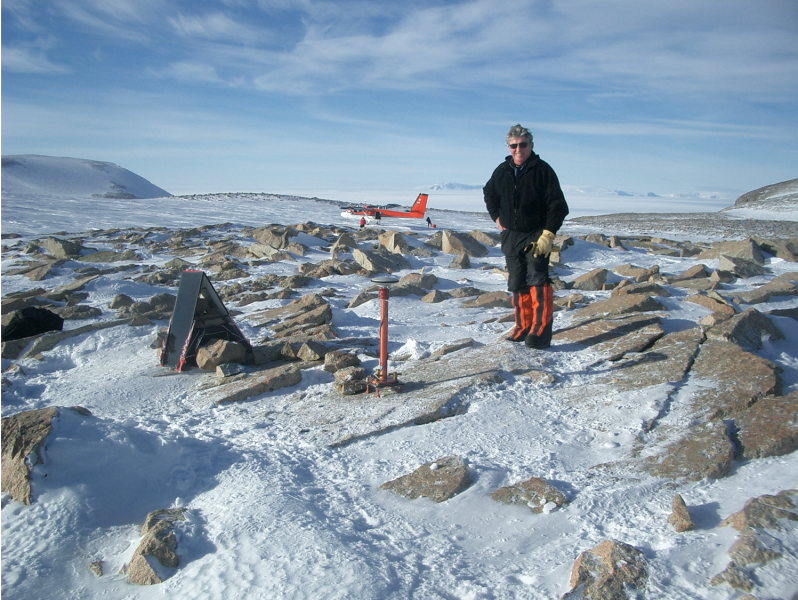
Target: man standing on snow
x=524, y=198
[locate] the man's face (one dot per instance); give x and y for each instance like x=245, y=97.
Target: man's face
x=520, y=154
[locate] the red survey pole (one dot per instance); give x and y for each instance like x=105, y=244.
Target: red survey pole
x=382, y=379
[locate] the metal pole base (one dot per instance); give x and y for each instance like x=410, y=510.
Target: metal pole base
x=377, y=381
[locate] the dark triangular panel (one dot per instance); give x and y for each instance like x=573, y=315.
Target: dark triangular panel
x=199, y=316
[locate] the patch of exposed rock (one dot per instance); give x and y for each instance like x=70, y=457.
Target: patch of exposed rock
x=680, y=517
x=536, y=493
x=23, y=435
x=761, y=523
x=438, y=480
x=605, y=572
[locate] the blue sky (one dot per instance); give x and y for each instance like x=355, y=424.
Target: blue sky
x=274, y=95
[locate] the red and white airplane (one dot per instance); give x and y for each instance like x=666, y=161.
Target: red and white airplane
x=417, y=211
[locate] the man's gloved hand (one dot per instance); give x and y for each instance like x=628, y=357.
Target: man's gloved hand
x=543, y=245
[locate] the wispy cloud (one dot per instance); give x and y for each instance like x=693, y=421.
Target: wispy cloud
x=29, y=60
x=215, y=26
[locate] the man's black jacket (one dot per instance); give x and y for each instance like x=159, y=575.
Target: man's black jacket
x=532, y=203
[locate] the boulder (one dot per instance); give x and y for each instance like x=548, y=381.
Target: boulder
x=489, y=300
x=786, y=249
x=746, y=330
x=120, y=301
x=453, y=242
x=633, y=272
x=698, y=271
x=465, y=291
x=393, y=242
x=740, y=267
x=344, y=243
x=219, y=352
x=311, y=351
x=711, y=304
x=276, y=237
x=351, y=380
x=23, y=434
x=30, y=321
x=336, y=360
x=487, y=239
x=435, y=296
x=679, y=517
x=437, y=480
x=592, y=281
x=534, y=492
x=59, y=248
x=159, y=542
x=747, y=249
x=362, y=298
x=379, y=262
x=598, y=238
x=461, y=261
x=604, y=572
x=422, y=280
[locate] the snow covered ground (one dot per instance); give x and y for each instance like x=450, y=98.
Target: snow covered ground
x=273, y=516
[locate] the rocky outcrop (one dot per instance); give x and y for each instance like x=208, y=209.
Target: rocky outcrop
x=746, y=330
x=703, y=451
x=23, y=434
x=768, y=192
x=747, y=249
x=159, y=542
x=604, y=572
x=536, y=493
x=438, y=480
x=760, y=526
x=260, y=383
x=769, y=427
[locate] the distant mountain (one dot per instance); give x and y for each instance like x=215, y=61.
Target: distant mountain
x=786, y=190
x=453, y=186
x=75, y=177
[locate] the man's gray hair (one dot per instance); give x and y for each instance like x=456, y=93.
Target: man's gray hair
x=517, y=131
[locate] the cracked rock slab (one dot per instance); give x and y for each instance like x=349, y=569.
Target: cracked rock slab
x=705, y=451
x=769, y=427
x=738, y=379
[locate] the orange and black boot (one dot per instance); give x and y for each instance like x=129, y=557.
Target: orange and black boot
x=521, y=304
x=540, y=316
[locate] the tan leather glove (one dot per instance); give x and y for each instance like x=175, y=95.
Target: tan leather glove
x=543, y=245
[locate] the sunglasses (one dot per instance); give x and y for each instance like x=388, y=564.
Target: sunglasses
x=522, y=145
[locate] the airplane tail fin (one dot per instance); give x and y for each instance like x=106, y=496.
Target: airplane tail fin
x=420, y=205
